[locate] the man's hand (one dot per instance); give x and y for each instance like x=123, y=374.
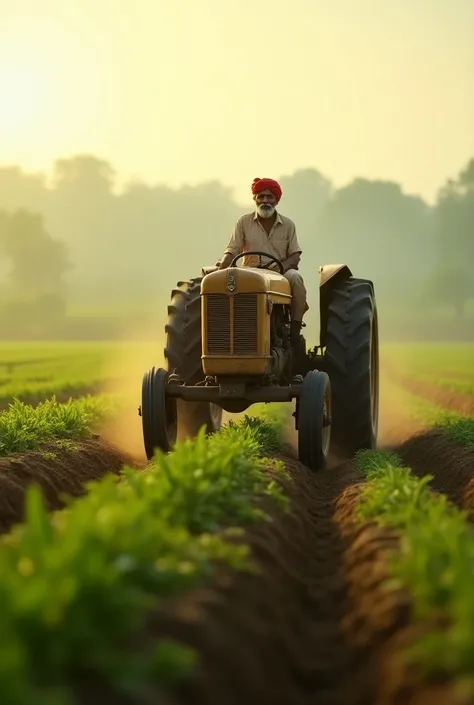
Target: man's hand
x=292, y=262
x=225, y=261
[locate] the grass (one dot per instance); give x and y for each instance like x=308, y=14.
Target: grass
x=447, y=364
x=26, y=428
x=78, y=586
x=40, y=370
x=435, y=561
x=452, y=384
x=432, y=358
x=461, y=431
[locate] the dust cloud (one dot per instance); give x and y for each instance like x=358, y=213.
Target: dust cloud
x=396, y=420
x=123, y=376
x=125, y=368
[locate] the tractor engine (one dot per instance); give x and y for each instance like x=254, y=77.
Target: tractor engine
x=280, y=338
x=245, y=323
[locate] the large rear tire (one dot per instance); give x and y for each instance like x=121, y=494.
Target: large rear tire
x=352, y=362
x=314, y=420
x=158, y=412
x=183, y=356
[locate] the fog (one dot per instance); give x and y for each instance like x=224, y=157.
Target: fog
x=83, y=258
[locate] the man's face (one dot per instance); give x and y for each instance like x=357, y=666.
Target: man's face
x=265, y=202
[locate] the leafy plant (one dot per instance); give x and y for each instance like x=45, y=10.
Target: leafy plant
x=436, y=560
x=78, y=585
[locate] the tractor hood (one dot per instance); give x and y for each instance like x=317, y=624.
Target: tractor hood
x=236, y=280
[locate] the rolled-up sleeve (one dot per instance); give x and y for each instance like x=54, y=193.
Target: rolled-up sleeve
x=293, y=244
x=236, y=242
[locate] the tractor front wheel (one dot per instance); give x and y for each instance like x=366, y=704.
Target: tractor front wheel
x=158, y=412
x=314, y=420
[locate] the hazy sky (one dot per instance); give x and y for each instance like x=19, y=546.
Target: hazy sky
x=191, y=90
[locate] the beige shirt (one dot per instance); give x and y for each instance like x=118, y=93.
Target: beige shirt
x=249, y=234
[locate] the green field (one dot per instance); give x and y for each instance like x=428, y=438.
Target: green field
x=445, y=361
x=228, y=540
x=35, y=372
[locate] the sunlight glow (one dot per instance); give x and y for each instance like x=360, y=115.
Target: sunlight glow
x=25, y=92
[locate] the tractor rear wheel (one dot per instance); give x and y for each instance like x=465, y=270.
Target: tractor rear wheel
x=183, y=356
x=314, y=420
x=352, y=362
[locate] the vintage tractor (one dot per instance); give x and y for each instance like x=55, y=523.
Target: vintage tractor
x=228, y=347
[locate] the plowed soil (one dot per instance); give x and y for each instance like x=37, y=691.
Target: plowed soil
x=57, y=471
x=316, y=624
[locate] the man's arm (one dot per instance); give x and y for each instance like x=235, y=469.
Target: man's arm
x=225, y=261
x=235, y=246
x=293, y=251
x=292, y=262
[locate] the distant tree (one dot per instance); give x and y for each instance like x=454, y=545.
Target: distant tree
x=454, y=213
x=381, y=232
x=305, y=194
x=85, y=174
x=21, y=190
x=38, y=262
x=135, y=244
x=449, y=285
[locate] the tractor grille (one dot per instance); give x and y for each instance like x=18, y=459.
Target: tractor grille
x=218, y=324
x=245, y=339
x=245, y=324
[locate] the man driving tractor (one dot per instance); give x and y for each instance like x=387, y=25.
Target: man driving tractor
x=267, y=230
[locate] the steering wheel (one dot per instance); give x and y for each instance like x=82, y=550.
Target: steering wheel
x=260, y=254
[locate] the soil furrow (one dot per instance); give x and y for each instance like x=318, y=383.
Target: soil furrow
x=316, y=625
x=276, y=636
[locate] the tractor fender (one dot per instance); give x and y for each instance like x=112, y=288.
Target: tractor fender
x=329, y=271
x=329, y=276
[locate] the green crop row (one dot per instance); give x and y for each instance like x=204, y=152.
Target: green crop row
x=25, y=428
x=419, y=409
x=444, y=381
x=461, y=431
x=435, y=561
x=78, y=585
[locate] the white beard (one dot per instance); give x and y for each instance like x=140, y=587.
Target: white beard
x=265, y=210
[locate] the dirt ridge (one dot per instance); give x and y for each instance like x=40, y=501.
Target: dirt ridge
x=57, y=470
x=452, y=466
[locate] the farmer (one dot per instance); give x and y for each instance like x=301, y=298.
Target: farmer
x=267, y=230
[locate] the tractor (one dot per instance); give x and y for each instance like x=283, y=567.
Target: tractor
x=228, y=346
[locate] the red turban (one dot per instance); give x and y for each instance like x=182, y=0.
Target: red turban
x=259, y=185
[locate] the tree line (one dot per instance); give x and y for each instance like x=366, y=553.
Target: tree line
x=75, y=240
